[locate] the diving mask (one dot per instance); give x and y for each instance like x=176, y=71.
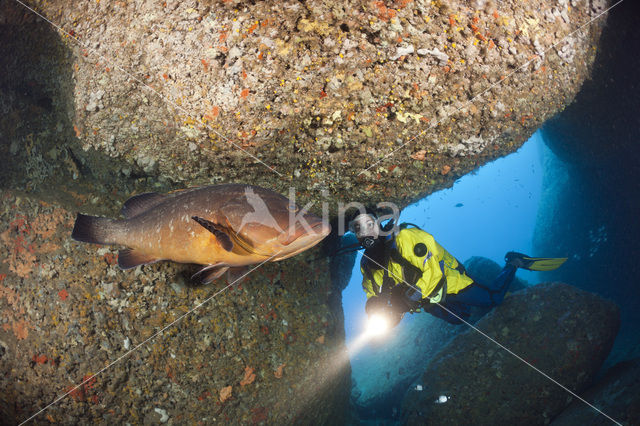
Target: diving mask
x=366, y=228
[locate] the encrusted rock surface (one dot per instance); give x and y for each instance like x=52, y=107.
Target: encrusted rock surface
x=269, y=350
x=319, y=90
x=563, y=331
x=617, y=394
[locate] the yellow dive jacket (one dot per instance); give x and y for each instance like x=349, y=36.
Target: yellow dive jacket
x=421, y=250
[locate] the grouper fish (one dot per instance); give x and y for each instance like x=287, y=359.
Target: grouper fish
x=219, y=226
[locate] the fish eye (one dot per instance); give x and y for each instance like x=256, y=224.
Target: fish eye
x=293, y=208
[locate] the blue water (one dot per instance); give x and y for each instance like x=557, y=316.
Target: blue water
x=486, y=213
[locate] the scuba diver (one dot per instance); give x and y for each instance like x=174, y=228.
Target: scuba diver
x=408, y=271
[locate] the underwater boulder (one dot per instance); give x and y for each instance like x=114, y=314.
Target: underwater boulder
x=561, y=330
x=342, y=264
x=617, y=394
x=605, y=139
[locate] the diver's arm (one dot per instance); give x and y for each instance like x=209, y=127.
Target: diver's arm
x=437, y=311
x=375, y=304
x=378, y=297
x=367, y=285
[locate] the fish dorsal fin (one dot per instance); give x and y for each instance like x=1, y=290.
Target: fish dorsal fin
x=221, y=233
x=141, y=203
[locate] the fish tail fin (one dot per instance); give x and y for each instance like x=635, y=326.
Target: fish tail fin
x=93, y=229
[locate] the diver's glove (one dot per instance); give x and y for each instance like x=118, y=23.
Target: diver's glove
x=376, y=304
x=400, y=300
x=380, y=305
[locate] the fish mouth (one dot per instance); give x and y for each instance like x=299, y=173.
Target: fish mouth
x=321, y=228
x=303, y=239
x=312, y=229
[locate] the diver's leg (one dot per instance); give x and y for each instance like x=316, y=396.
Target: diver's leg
x=450, y=311
x=477, y=294
x=501, y=283
x=457, y=305
x=474, y=294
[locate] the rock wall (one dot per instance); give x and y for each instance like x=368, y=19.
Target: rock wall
x=211, y=91
x=269, y=350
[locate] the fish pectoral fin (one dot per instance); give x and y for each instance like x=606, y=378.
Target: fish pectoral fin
x=221, y=233
x=130, y=258
x=242, y=242
x=141, y=203
x=209, y=273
